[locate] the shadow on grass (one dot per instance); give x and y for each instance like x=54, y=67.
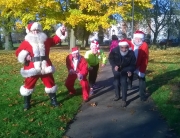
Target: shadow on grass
x=161, y=80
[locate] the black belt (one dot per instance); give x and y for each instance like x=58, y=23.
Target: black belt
x=41, y=58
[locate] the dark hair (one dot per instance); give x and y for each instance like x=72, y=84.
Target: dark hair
x=114, y=37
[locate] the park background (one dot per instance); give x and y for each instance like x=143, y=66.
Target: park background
x=82, y=19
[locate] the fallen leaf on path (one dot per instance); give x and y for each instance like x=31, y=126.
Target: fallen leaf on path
x=93, y=104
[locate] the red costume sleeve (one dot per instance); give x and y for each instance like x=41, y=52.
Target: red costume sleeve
x=144, y=52
x=68, y=62
x=22, y=52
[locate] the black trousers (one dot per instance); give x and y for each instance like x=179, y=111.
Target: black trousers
x=142, y=85
x=120, y=84
x=93, y=75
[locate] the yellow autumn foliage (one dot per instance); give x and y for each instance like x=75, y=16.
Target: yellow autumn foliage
x=88, y=13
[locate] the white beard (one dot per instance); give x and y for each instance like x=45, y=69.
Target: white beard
x=36, y=38
x=123, y=53
x=138, y=44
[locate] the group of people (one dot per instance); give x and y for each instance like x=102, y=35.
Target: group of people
x=79, y=67
x=126, y=58
x=129, y=58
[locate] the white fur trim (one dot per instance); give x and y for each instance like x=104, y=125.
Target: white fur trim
x=36, y=26
x=37, y=66
x=75, y=51
x=51, y=90
x=59, y=34
x=27, y=30
x=33, y=71
x=25, y=91
x=124, y=44
x=29, y=73
x=139, y=35
x=22, y=55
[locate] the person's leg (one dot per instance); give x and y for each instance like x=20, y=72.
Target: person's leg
x=93, y=75
x=50, y=88
x=70, y=83
x=116, y=84
x=27, y=89
x=130, y=80
x=96, y=68
x=142, y=88
x=85, y=89
x=124, y=86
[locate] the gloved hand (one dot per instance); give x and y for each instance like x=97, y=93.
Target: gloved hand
x=140, y=74
x=79, y=76
x=71, y=71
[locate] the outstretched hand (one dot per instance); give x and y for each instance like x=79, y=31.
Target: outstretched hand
x=116, y=68
x=129, y=73
x=71, y=71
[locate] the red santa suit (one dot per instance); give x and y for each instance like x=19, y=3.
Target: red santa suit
x=142, y=55
x=40, y=65
x=79, y=66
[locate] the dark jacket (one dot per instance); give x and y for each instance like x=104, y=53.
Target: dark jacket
x=125, y=63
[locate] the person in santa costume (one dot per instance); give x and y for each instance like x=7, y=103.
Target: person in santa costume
x=77, y=69
x=141, y=51
x=33, y=52
x=94, y=56
x=123, y=63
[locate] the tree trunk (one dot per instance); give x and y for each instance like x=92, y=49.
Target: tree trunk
x=72, y=39
x=155, y=38
x=8, y=45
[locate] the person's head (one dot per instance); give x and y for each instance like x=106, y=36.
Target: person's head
x=124, y=46
x=94, y=46
x=138, y=38
x=34, y=28
x=114, y=37
x=75, y=52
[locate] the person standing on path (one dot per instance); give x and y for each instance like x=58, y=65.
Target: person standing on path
x=33, y=52
x=141, y=51
x=78, y=68
x=93, y=57
x=114, y=42
x=123, y=63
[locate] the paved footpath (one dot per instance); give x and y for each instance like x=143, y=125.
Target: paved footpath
x=102, y=117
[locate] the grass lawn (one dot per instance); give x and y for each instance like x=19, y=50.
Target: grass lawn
x=163, y=81
x=41, y=120
x=44, y=121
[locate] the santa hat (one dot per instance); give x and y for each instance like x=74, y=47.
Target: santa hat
x=94, y=43
x=74, y=50
x=139, y=34
x=33, y=26
x=123, y=43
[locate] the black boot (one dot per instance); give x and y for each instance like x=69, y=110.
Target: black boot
x=53, y=99
x=27, y=104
